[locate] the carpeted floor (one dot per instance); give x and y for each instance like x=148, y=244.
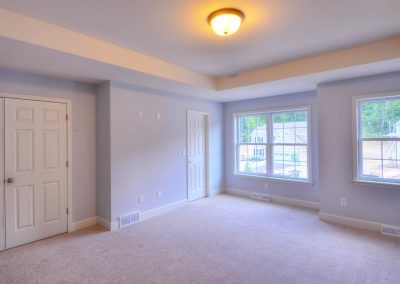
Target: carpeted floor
x=223, y=239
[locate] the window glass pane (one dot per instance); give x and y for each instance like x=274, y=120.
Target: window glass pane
x=260, y=159
x=372, y=168
x=380, y=118
x=301, y=118
x=301, y=135
x=301, y=153
x=290, y=158
x=289, y=154
x=244, y=165
x=391, y=162
x=391, y=150
x=391, y=118
x=277, y=133
x=260, y=134
x=301, y=170
x=252, y=159
x=371, y=115
x=371, y=150
x=290, y=127
x=301, y=127
x=289, y=135
x=243, y=129
x=391, y=169
x=252, y=128
x=277, y=156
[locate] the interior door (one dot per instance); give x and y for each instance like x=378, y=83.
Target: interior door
x=35, y=138
x=196, y=155
x=2, y=210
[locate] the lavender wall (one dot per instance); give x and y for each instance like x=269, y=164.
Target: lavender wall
x=103, y=151
x=146, y=155
x=301, y=191
x=373, y=203
x=83, y=98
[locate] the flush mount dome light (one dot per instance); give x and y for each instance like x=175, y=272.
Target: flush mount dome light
x=225, y=22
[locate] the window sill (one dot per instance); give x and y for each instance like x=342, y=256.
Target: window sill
x=298, y=181
x=376, y=183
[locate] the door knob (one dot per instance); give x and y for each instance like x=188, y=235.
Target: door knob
x=10, y=180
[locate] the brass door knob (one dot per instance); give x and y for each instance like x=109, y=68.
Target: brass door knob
x=10, y=180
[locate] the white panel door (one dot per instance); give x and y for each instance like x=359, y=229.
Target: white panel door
x=35, y=170
x=196, y=155
x=2, y=211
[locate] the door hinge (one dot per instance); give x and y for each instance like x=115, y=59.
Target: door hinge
x=66, y=117
x=67, y=164
x=67, y=211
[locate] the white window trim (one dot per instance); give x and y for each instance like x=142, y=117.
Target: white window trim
x=356, y=132
x=269, y=144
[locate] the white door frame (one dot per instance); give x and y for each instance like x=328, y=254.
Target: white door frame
x=69, y=152
x=207, y=150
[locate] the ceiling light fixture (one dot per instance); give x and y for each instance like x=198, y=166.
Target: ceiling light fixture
x=225, y=22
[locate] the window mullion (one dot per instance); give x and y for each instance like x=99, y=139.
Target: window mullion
x=269, y=139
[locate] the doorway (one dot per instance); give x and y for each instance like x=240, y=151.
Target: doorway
x=197, y=154
x=34, y=166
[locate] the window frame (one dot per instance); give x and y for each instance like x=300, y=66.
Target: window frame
x=269, y=144
x=357, y=140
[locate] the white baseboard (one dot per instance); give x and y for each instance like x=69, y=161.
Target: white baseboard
x=162, y=210
x=238, y=192
x=89, y=222
x=351, y=222
x=104, y=223
x=295, y=202
x=214, y=192
x=111, y=226
x=114, y=226
x=275, y=198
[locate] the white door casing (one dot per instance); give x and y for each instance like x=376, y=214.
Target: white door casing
x=36, y=199
x=196, y=131
x=2, y=211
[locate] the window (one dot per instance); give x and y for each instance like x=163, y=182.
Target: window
x=252, y=146
x=378, y=139
x=273, y=144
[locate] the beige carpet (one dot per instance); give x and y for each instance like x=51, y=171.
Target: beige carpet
x=223, y=239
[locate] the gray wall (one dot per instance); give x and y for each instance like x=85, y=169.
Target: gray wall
x=300, y=191
x=146, y=154
x=374, y=203
x=103, y=151
x=83, y=136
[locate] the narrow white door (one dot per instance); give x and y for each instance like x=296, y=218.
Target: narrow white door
x=35, y=170
x=196, y=155
x=2, y=210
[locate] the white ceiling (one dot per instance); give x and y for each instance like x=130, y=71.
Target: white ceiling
x=274, y=31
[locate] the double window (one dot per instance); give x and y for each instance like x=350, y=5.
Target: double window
x=273, y=144
x=378, y=139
